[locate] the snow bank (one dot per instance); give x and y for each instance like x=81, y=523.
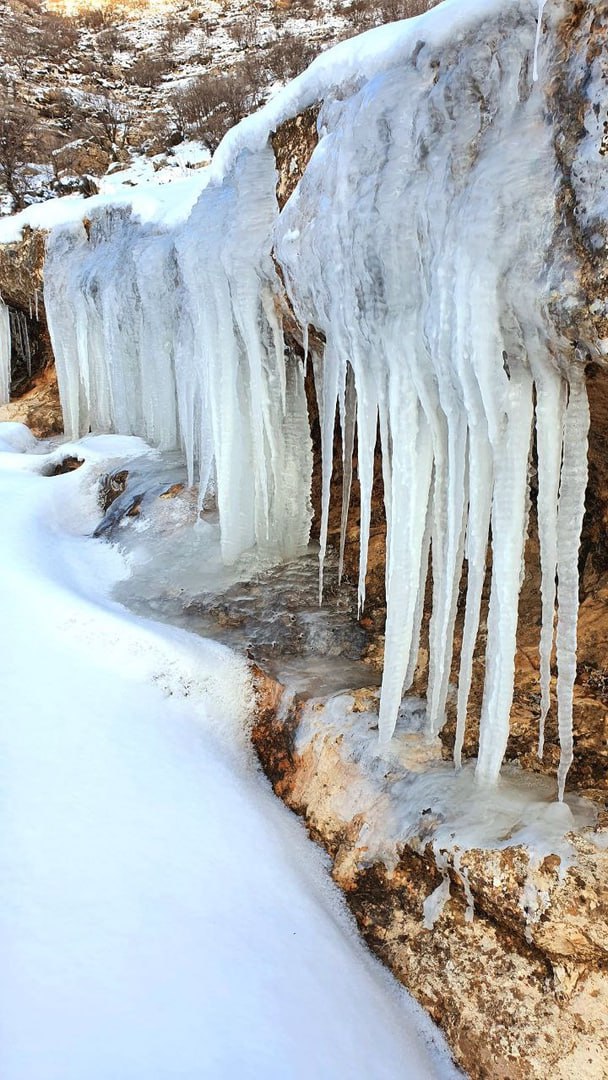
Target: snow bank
x=161, y=915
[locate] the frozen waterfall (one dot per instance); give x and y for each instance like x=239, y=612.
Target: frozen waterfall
x=417, y=242
x=174, y=336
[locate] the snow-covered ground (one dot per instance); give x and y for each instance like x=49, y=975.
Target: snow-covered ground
x=161, y=914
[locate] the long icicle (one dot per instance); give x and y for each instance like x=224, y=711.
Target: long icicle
x=569, y=525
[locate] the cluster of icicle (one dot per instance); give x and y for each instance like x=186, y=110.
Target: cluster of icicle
x=174, y=336
x=5, y=353
x=417, y=243
x=14, y=347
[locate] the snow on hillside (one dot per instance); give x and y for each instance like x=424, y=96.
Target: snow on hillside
x=84, y=86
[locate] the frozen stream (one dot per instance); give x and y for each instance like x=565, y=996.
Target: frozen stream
x=270, y=613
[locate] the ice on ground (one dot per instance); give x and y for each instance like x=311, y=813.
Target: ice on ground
x=408, y=793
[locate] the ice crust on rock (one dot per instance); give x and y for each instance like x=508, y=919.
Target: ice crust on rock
x=5, y=353
x=418, y=243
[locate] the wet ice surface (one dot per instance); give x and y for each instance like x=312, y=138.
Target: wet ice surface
x=271, y=613
x=407, y=794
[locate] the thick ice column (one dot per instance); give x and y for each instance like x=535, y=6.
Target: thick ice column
x=5, y=353
x=111, y=294
x=252, y=406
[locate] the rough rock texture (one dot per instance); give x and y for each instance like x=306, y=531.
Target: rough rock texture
x=521, y=990
x=38, y=407
x=21, y=270
x=293, y=143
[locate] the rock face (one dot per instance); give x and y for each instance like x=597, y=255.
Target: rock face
x=519, y=988
x=39, y=407
x=21, y=277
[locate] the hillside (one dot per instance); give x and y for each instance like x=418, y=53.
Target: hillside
x=87, y=88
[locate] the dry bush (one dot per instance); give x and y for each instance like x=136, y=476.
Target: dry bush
x=244, y=30
x=57, y=39
x=304, y=9
x=393, y=10
x=19, y=45
x=110, y=41
x=17, y=141
x=175, y=30
x=148, y=71
x=289, y=56
x=209, y=106
x=95, y=18
x=106, y=121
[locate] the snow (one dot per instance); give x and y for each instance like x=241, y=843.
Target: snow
x=161, y=914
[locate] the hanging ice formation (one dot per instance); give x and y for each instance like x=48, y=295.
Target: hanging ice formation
x=174, y=336
x=5, y=353
x=20, y=340
x=417, y=242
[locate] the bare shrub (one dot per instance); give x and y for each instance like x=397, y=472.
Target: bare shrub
x=17, y=135
x=110, y=41
x=105, y=120
x=57, y=38
x=19, y=45
x=289, y=56
x=147, y=71
x=176, y=29
x=209, y=106
x=392, y=10
x=244, y=30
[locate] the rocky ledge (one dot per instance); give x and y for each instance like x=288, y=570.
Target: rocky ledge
x=506, y=951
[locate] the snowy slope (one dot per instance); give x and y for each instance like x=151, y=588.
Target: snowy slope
x=161, y=915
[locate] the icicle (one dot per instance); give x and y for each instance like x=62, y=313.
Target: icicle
x=334, y=375
x=539, y=27
x=509, y=526
x=480, y=502
x=419, y=612
x=550, y=404
x=5, y=353
x=26, y=344
x=412, y=462
x=348, y=446
x=569, y=524
x=367, y=432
